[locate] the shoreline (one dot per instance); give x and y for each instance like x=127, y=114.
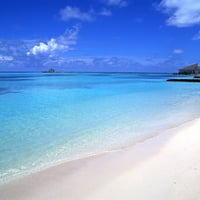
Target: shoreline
x=93, y=155
x=114, y=169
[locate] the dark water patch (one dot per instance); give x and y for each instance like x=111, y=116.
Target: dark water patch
x=142, y=76
x=2, y=151
x=60, y=75
x=16, y=76
x=99, y=74
x=4, y=91
x=62, y=86
x=15, y=79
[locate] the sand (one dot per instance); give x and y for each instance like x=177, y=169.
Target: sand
x=165, y=167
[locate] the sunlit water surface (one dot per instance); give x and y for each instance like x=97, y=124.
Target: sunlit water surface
x=45, y=118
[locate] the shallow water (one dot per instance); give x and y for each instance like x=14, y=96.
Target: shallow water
x=49, y=117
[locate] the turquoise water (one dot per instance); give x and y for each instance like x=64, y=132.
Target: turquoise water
x=45, y=118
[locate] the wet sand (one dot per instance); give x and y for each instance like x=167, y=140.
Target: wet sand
x=165, y=167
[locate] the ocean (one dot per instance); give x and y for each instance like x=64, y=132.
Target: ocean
x=50, y=118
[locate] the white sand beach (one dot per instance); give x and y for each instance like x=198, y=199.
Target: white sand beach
x=165, y=167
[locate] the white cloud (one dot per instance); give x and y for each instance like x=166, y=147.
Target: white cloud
x=105, y=12
x=69, y=13
x=178, y=51
x=61, y=43
x=120, y=3
x=75, y=13
x=197, y=36
x=6, y=58
x=183, y=13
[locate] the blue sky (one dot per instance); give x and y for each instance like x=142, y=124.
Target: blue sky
x=99, y=35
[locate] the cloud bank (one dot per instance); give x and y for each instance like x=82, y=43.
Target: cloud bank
x=18, y=60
